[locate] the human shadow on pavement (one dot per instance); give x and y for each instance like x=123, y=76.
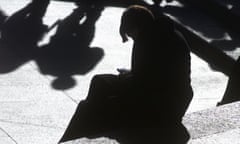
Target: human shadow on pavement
x=68, y=52
x=20, y=34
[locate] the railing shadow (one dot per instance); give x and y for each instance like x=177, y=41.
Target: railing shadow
x=195, y=29
x=223, y=37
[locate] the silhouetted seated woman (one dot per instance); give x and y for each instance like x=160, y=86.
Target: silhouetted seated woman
x=147, y=103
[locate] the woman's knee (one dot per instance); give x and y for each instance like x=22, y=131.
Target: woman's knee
x=103, y=79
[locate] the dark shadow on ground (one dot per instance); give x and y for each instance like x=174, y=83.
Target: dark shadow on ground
x=229, y=42
x=227, y=14
x=213, y=52
x=8, y=60
x=225, y=11
x=217, y=33
x=108, y=3
x=20, y=34
x=68, y=52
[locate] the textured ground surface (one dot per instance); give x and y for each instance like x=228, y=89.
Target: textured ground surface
x=33, y=112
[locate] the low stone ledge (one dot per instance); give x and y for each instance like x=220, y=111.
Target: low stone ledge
x=211, y=121
x=218, y=125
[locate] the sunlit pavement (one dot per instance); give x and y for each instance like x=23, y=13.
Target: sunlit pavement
x=32, y=112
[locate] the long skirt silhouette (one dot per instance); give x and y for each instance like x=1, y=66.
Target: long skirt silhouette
x=116, y=109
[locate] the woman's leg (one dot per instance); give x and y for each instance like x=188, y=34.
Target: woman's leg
x=103, y=87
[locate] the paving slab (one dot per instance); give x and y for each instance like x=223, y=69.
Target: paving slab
x=228, y=137
x=215, y=126
x=208, y=85
x=30, y=134
x=5, y=138
x=27, y=98
x=212, y=121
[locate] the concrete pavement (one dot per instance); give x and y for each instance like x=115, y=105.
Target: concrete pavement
x=33, y=112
